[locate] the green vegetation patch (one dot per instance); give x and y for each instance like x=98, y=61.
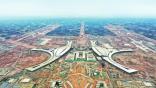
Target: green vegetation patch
x=103, y=74
x=63, y=74
x=80, y=60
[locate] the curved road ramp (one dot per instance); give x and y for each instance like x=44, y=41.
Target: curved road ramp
x=106, y=54
x=54, y=55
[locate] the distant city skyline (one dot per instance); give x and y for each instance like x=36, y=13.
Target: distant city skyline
x=78, y=8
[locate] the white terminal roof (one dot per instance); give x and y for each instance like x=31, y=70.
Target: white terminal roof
x=54, y=55
x=107, y=56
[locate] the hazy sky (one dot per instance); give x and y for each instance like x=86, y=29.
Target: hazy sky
x=78, y=8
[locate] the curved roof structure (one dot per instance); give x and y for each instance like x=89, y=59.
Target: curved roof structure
x=107, y=56
x=54, y=55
